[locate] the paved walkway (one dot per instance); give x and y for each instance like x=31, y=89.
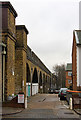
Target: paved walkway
x=9, y=110
x=41, y=106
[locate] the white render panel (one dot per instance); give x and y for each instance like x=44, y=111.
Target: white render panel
x=78, y=66
x=34, y=88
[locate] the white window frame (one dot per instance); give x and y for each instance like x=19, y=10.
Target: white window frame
x=69, y=81
x=69, y=73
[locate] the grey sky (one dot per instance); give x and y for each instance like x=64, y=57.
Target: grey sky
x=50, y=25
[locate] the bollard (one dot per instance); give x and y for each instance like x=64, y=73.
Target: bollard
x=25, y=102
x=71, y=106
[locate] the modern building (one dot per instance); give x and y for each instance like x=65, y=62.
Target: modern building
x=76, y=60
x=69, y=75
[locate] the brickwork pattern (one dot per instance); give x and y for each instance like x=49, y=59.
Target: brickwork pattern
x=15, y=38
x=74, y=64
x=20, y=63
x=68, y=78
x=8, y=37
x=10, y=66
x=0, y=74
x=11, y=22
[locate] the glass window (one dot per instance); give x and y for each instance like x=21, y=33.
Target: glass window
x=69, y=73
x=69, y=81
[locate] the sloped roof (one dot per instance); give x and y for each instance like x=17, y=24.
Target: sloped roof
x=69, y=67
x=78, y=36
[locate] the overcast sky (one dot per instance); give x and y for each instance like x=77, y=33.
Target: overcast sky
x=50, y=24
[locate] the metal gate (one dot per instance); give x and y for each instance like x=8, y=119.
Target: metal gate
x=28, y=89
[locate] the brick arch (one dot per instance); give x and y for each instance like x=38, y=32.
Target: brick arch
x=35, y=76
x=28, y=75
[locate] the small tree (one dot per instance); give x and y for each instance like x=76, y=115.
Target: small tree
x=59, y=71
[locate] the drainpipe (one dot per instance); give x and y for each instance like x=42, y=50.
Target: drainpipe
x=25, y=94
x=3, y=71
x=25, y=102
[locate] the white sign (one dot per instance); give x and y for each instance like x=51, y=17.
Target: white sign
x=41, y=87
x=20, y=98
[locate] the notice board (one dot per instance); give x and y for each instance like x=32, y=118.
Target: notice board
x=20, y=98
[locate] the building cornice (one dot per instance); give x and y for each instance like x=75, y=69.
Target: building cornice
x=9, y=6
x=20, y=27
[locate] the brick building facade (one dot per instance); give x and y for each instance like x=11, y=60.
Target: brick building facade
x=69, y=75
x=76, y=60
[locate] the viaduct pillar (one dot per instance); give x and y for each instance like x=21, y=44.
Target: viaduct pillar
x=20, y=60
x=9, y=38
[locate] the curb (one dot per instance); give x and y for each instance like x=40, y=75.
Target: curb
x=18, y=111
x=77, y=112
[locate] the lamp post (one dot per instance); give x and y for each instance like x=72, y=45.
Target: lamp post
x=25, y=94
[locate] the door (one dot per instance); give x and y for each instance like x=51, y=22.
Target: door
x=28, y=90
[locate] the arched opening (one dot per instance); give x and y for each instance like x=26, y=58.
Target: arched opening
x=28, y=80
x=35, y=76
x=35, y=82
x=44, y=83
x=40, y=82
x=40, y=79
x=28, y=77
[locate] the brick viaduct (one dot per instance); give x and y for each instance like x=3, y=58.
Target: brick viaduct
x=22, y=70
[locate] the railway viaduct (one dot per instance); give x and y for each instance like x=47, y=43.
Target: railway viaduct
x=37, y=72
x=22, y=70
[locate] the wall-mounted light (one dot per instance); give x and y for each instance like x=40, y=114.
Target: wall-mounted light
x=12, y=71
x=23, y=83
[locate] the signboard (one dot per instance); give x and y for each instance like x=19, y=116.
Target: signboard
x=41, y=87
x=20, y=98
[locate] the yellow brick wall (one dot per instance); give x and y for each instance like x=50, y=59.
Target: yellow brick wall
x=10, y=66
x=8, y=38
x=18, y=70
x=20, y=62
x=11, y=22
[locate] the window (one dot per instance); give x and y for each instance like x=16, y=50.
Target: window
x=69, y=73
x=69, y=81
